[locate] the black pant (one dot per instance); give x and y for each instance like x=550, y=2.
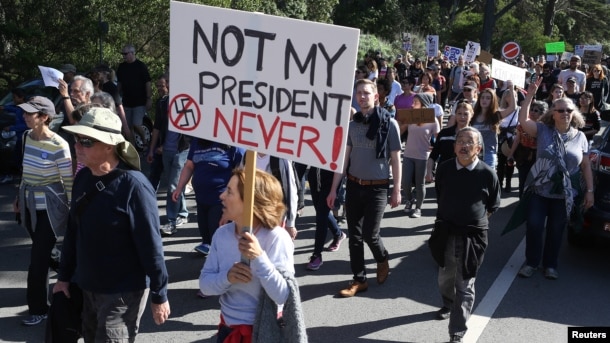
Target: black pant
x=43, y=241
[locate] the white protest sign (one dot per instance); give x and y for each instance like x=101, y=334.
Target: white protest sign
x=406, y=41
x=452, y=53
x=471, y=52
x=580, y=48
x=504, y=71
x=275, y=85
x=51, y=76
x=432, y=46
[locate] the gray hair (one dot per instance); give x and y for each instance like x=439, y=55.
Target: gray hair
x=86, y=86
x=476, y=132
x=105, y=99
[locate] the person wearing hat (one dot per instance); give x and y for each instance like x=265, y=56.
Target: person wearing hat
x=69, y=71
x=415, y=156
x=112, y=249
x=43, y=199
x=573, y=71
x=570, y=90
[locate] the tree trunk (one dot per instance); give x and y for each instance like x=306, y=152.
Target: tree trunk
x=549, y=17
x=489, y=21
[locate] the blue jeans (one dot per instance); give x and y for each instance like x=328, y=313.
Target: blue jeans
x=324, y=219
x=490, y=157
x=457, y=292
x=208, y=217
x=172, y=164
x=366, y=205
x=537, y=248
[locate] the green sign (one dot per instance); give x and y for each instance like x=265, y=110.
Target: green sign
x=555, y=47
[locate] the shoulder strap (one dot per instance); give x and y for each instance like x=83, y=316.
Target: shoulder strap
x=85, y=199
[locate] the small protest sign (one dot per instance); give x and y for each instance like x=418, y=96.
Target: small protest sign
x=415, y=116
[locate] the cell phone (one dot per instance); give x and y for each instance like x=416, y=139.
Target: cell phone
x=245, y=259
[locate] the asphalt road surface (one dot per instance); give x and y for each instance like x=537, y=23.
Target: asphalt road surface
x=507, y=309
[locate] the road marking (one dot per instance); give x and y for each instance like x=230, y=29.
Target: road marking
x=488, y=305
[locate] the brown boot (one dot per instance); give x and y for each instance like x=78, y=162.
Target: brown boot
x=383, y=269
x=353, y=288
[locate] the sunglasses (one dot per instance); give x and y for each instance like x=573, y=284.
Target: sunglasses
x=85, y=142
x=564, y=110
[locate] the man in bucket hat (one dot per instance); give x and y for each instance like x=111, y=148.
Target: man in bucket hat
x=112, y=248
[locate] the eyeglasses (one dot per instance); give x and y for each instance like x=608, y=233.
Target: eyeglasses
x=464, y=143
x=564, y=110
x=85, y=142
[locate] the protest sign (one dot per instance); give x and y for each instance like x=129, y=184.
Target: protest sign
x=275, y=85
x=555, y=47
x=504, y=71
x=471, y=52
x=485, y=57
x=432, y=46
x=406, y=41
x=452, y=53
x=415, y=116
x=591, y=57
x=580, y=48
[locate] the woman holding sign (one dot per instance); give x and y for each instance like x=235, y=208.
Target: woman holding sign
x=263, y=290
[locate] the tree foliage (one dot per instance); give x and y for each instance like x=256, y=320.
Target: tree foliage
x=34, y=32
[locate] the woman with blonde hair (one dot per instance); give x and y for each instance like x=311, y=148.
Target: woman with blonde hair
x=250, y=292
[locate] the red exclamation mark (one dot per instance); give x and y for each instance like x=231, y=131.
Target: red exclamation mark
x=337, y=140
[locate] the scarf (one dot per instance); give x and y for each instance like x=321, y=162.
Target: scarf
x=550, y=167
x=379, y=126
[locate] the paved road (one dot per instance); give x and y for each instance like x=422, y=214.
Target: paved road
x=401, y=310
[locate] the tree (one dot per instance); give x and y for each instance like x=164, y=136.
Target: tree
x=489, y=21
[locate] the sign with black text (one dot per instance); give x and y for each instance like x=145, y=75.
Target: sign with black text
x=274, y=85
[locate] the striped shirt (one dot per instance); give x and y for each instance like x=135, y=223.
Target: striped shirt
x=45, y=162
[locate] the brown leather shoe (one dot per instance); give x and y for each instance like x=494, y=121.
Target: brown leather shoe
x=383, y=269
x=353, y=288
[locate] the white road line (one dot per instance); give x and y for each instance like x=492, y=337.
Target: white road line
x=488, y=305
